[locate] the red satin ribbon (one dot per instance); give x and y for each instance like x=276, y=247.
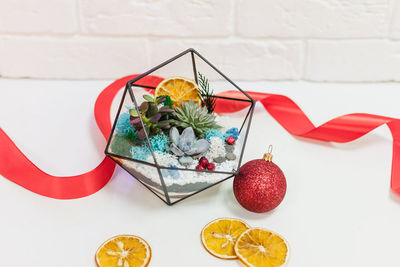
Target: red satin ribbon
x=16, y=167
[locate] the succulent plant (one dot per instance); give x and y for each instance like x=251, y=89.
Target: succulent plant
x=154, y=117
x=163, y=99
x=194, y=116
x=185, y=145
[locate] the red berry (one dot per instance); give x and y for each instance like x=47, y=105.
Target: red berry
x=199, y=167
x=210, y=166
x=203, y=161
x=230, y=140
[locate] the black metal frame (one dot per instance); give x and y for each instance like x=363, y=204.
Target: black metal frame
x=128, y=88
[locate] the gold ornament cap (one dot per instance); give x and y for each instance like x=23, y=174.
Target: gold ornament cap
x=268, y=156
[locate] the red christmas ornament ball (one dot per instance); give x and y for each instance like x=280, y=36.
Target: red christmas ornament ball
x=260, y=186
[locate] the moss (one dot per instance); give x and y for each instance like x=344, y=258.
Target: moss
x=125, y=128
x=125, y=146
x=214, y=133
x=140, y=152
x=234, y=132
x=159, y=142
x=122, y=145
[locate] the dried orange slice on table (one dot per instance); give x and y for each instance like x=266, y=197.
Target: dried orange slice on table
x=260, y=247
x=179, y=89
x=123, y=251
x=219, y=237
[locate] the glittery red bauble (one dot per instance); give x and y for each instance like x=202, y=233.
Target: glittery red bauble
x=260, y=186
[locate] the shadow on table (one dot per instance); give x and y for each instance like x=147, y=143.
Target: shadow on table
x=393, y=196
x=127, y=187
x=238, y=210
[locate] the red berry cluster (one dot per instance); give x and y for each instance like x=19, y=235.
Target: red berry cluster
x=230, y=140
x=204, y=164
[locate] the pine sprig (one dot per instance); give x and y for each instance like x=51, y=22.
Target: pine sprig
x=206, y=94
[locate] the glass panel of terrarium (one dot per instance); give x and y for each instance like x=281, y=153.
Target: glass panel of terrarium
x=122, y=136
x=181, y=66
x=231, y=136
x=125, y=141
x=183, y=183
x=244, y=130
x=147, y=175
x=157, y=144
x=233, y=110
x=219, y=81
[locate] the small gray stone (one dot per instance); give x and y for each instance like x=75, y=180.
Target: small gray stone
x=185, y=160
x=230, y=156
x=219, y=160
x=229, y=148
x=197, y=156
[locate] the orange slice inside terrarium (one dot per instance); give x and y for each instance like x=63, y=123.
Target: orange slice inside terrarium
x=260, y=247
x=219, y=237
x=123, y=251
x=179, y=89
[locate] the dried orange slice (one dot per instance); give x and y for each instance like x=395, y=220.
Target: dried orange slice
x=219, y=237
x=178, y=89
x=260, y=247
x=123, y=251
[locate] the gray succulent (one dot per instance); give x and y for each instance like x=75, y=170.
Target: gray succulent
x=185, y=145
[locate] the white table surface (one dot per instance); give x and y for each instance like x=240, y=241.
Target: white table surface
x=338, y=210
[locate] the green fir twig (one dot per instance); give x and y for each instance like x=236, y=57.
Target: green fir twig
x=206, y=94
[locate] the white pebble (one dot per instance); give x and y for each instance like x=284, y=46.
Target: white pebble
x=217, y=149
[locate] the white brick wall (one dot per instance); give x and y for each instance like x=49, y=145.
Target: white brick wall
x=317, y=40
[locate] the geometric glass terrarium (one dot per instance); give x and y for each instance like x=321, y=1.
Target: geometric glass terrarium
x=173, y=141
